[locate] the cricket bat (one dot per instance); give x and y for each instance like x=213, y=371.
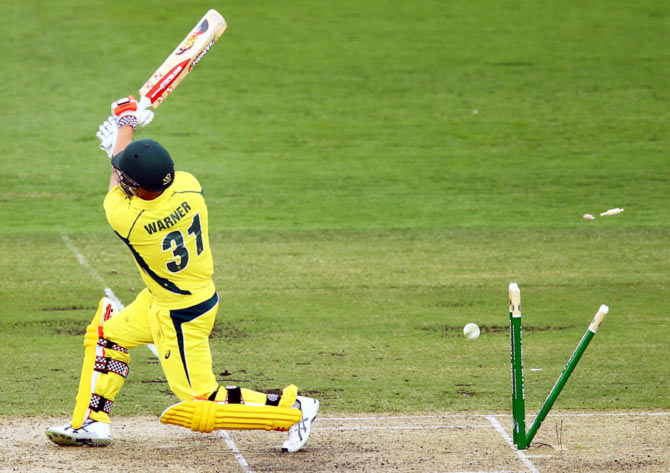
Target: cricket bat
x=182, y=60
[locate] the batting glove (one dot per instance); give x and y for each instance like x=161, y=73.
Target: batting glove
x=107, y=133
x=128, y=112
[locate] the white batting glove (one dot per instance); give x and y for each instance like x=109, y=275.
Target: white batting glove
x=107, y=133
x=128, y=112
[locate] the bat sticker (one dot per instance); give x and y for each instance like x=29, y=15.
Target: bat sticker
x=190, y=41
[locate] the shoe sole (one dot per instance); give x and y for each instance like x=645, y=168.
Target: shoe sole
x=70, y=441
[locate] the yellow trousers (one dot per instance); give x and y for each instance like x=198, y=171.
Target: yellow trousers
x=181, y=338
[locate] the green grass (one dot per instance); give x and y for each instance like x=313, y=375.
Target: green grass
x=377, y=174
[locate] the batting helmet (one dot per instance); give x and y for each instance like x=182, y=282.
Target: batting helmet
x=144, y=163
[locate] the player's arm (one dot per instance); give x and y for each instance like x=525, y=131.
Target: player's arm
x=123, y=139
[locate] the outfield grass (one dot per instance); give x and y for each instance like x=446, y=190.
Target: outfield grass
x=376, y=174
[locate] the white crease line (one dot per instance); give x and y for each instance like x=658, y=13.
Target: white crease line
x=484, y=471
x=529, y=464
x=608, y=414
x=233, y=448
x=437, y=416
x=404, y=427
x=108, y=292
x=486, y=416
x=82, y=261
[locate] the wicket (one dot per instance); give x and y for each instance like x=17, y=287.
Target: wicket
x=516, y=351
x=522, y=439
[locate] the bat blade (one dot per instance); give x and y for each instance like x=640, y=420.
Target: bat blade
x=183, y=59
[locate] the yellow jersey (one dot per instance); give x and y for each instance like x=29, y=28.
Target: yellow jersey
x=169, y=239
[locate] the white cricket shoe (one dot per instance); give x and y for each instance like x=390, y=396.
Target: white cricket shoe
x=91, y=433
x=299, y=433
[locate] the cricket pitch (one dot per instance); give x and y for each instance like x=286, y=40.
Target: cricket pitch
x=574, y=441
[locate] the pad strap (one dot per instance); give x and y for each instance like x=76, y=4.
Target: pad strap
x=234, y=395
x=99, y=403
x=109, y=365
x=104, y=343
x=273, y=400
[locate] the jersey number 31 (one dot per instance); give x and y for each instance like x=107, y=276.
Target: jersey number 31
x=175, y=241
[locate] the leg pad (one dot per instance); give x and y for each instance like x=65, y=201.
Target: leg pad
x=206, y=416
x=106, y=309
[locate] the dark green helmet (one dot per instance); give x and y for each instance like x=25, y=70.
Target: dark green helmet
x=144, y=163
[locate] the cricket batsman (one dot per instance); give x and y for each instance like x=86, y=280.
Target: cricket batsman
x=161, y=216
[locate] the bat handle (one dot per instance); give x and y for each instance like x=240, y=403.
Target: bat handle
x=144, y=103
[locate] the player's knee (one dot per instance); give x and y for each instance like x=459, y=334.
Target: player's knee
x=180, y=389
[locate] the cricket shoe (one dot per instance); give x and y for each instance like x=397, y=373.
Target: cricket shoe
x=91, y=433
x=299, y=433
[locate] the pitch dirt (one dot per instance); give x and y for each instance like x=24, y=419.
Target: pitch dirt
x=568, y=441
